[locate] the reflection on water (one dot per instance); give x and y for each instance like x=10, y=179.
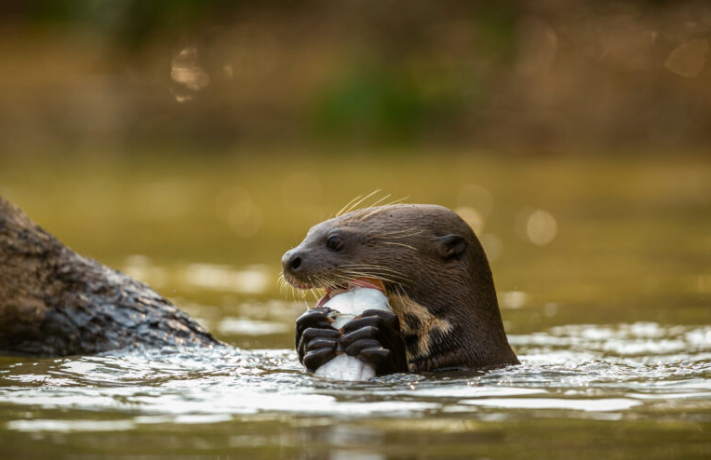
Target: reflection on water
x=256, y=279
x=250, y=327
x=628, y=374
x=634, y=370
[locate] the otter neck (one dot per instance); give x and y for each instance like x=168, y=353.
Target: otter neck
x=452, y=328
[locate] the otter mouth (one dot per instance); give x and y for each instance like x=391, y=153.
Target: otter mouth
x=333, y=291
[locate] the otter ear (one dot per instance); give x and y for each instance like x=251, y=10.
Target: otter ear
x=451, y=246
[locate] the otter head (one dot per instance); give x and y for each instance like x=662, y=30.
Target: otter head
x=431, y=266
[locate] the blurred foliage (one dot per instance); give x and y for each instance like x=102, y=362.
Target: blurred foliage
x=372, y=104
x=539, y=76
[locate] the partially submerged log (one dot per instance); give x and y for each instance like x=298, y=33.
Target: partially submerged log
x=54, y=302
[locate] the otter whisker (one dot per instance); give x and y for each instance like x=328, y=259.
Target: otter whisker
x=375, y=204
x=376, y=267
x=283, y=284
x=377, y=207
x=356, y=274
x=377, y=275
x=400, y=234
x=373, y=267
x=314, y=294
x=400, y=244
x=380, y=205
x=372, y=194
x=398, y=201
x=374, y=275
x=360, y=274
x=406, y=232
x=369, y=212
x=355, y=202
x=347, y=207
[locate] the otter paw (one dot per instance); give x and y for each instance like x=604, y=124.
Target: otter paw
x=375, y=339
x=316, y=318
x=316, y=340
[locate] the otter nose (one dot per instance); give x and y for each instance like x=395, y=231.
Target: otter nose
x=292, y=261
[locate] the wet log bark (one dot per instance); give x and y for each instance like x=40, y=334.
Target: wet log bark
x=54, y=302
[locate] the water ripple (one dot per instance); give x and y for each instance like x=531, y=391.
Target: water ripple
x=603, y=371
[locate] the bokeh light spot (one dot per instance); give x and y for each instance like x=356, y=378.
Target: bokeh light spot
x=234, y=205
x=186, y=72
x=689, y=59
x=478, y=197
x=513, y=299
x=472, y=217
x=537, y=226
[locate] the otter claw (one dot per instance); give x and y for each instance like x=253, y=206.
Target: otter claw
x=318, y=318
x=390, y=319
x=375, y=339
x=316, y=340
x=317, y=358
x=356, y=347
x=380, y=359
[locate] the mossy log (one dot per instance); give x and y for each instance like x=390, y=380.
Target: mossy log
x=54, y=302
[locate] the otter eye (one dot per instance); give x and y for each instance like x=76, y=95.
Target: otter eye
x=334, y=243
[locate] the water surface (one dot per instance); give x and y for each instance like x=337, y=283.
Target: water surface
x=614, y=380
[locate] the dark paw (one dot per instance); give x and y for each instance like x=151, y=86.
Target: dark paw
x=316, y=318
x=316, y=340
x=374, y=338
x=313, y=359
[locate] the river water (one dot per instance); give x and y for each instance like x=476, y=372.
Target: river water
x=603, y=276
x=582, y=390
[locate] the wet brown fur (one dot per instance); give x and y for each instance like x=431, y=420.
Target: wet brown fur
x=447, y=307
x=418, y=326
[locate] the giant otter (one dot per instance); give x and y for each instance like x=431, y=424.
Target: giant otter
x=435, y=274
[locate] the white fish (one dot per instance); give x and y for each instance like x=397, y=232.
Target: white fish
x=348, y=305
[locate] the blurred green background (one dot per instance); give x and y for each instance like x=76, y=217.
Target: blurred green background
x=537, y=77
